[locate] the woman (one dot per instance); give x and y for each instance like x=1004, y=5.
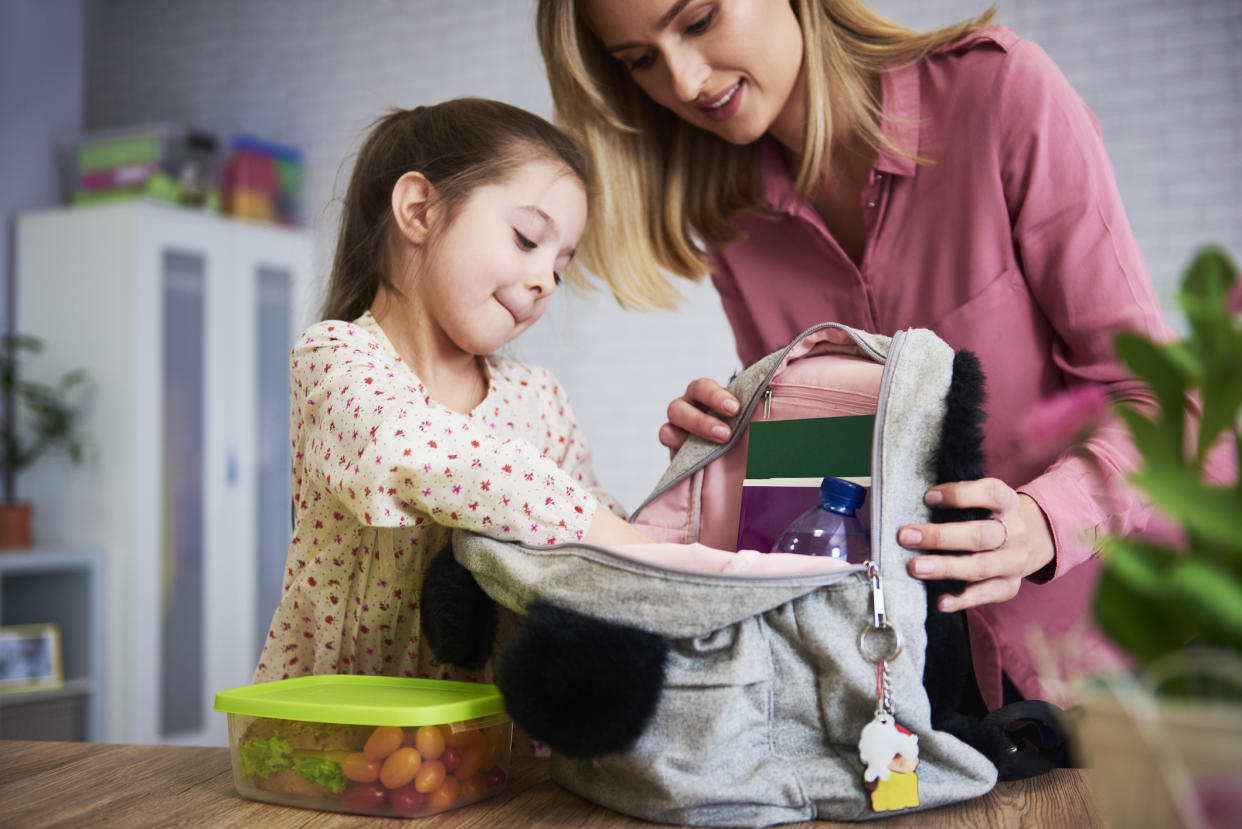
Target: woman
x=823, y=163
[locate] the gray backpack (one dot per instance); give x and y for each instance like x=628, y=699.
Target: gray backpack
x=727, y=699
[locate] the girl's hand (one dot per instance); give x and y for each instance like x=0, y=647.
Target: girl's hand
x=610, y=530
x=1010, y=546
x=690, y=414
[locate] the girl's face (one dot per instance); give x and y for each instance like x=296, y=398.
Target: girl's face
x=487, y=275
x=727, y=66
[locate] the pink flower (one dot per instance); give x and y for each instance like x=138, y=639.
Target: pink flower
x=1064, y=417
x=1234, y=299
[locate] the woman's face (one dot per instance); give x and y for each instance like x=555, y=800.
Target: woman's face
x=727, y=66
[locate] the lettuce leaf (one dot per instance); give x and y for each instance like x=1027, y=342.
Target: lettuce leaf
x=265, y=757
x=322, y=772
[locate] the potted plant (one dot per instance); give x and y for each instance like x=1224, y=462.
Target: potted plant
x=1164, y=743
x=36, y=419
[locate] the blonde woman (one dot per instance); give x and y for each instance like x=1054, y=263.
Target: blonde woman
x=823, y=163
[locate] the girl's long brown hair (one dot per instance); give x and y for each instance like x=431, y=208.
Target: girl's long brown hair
x=458, y=145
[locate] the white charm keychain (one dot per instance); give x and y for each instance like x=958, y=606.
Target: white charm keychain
x=889, y=750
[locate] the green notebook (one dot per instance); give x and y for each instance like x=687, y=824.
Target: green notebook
x=811, y=448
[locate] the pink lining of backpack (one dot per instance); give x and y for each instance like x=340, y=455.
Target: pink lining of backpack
x=821, y=376
x=706, y=559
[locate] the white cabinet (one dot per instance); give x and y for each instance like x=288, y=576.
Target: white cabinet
x=184, y=322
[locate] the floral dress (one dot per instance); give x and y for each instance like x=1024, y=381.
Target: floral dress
x=382, y=473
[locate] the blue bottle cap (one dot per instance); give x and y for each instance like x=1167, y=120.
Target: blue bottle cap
x=839, y=493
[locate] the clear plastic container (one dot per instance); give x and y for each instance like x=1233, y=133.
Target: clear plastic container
x=831, y=527
x=384, y=746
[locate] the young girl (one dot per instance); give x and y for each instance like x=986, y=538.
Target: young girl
x=458, y=223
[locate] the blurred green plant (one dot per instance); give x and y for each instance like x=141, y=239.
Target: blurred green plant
x=1153, y=599
x=37, y=418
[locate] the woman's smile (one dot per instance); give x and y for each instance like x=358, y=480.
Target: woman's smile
x=724, y=105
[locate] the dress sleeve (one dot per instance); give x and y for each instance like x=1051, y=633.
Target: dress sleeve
x=574, y=455
x=374, y=437
x=1084, y=268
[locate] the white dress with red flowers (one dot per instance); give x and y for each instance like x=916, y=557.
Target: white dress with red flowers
x=381, y=475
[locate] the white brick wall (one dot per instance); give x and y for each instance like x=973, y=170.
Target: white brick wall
x=1165, y=80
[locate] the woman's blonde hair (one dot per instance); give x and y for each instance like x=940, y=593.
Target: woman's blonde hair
x=667, y=189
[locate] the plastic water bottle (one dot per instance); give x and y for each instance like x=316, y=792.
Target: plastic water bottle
x=831, y=527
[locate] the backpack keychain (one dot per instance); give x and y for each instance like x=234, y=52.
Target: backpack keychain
x=888, y=749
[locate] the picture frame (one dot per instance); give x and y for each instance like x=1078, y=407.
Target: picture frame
x=30, y=658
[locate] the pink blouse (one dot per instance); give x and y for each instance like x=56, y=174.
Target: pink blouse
x=1012, y=242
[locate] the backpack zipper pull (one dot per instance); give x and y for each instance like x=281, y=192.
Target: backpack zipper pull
x=767, y=402
x=879, y=641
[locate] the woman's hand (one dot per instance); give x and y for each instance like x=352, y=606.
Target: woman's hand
x=1010, y=546
x=691, y=414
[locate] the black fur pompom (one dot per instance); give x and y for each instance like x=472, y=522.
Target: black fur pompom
x=960, y=454
x=584, y=686
x=458, y=618
x=948, y=673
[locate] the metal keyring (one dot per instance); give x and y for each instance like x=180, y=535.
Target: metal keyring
x=880, y=643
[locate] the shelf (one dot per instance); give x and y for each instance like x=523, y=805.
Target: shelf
x=47, y=560
x=71, y=688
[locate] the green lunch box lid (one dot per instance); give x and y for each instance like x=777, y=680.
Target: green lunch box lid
x=364, y=700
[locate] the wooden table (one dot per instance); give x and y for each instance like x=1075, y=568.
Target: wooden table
x=85, y=784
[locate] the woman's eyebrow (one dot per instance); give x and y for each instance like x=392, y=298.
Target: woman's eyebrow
x=660, y=26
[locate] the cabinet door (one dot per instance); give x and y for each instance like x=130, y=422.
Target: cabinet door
x=254, y=282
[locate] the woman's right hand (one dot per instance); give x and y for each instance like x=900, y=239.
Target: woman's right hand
x=699, y=412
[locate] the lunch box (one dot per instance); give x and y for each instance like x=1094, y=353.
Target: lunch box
x=371, y=745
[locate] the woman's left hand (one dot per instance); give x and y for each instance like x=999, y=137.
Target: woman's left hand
x=1011, y=545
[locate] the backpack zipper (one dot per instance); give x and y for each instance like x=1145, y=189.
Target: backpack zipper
x=753, y=404
x=877, y=445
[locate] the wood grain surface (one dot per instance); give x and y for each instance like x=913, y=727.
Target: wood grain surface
x=45, y=784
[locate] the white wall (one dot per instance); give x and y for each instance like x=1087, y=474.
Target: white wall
x=41, y=47
x=1163, y=78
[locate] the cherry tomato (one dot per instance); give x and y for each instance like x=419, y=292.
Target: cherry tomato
x=429, y=741
x=444, y=796
x=451, y=759
x=400, y=767
x=494, y=777
x=383, y=741
x=494, y=747
x=465, y=739
x=406, y=800
x=364, y=797
x=358, y=768
x=473, y=786
x=430, y=776
x=471, y=762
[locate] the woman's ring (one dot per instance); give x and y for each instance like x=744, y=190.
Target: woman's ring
x=1004, y=527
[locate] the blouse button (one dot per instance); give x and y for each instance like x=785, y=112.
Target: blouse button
x=870, y=204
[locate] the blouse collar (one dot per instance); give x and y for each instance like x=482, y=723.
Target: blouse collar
x=900, y=125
